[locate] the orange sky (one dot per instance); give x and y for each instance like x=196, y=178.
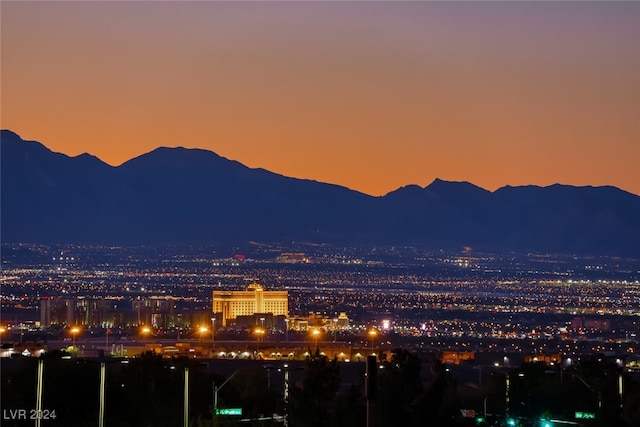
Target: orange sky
x=370, y=95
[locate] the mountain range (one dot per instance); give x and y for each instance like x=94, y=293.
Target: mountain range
x=178, y=195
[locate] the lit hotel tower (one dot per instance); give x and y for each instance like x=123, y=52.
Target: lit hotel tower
x=255, y=299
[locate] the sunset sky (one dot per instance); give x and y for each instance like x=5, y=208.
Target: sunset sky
x=369, y=95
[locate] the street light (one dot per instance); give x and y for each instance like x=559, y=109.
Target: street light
x=286, y=329
x=507, y=395
x=597, y=394
x=216, y=389
x=203, y=330
x=373, y=333
x=286, y=368
x=316, y=334
x=2, y=331
x=145, y=331
x=259, y=332
x=74, y=331
x=335, y=328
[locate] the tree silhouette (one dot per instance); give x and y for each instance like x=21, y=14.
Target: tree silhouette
x=314, y=404
x=399, y=385
x=438, y=405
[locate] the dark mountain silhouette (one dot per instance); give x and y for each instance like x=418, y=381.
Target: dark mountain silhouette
x=178, y=195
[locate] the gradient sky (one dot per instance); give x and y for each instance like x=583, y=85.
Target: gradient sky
x=370, y=95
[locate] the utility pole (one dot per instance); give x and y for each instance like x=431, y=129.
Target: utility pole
x=39, y=392
x=102, y=383
x=186, y=397
x=508, y=385
x=286, y=395
x=286, y=368
x=620, y=392
x=370, y=386
x=213, y=333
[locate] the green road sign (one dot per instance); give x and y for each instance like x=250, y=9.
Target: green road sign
x=229, y=411
x=585, y=415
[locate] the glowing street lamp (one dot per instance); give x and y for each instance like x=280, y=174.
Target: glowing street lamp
x=316, y=335
x=2, y=331
x=203, y=330
x=145, y=331
x=74, y=331
x=373, y=333
x=259, y=333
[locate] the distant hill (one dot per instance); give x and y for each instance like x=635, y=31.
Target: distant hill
x=178, y=195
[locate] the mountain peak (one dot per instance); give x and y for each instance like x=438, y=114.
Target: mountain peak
x=441, y=183
x=6, y=133
x=183, y=195
x=461, y=188
x=176, y=157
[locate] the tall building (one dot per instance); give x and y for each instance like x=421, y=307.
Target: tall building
x=255, y=300
x=56, y=311
x=155, y=311
x=292, y=257
x=45, y=312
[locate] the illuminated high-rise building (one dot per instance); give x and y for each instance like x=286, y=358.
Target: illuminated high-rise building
x=255, y=300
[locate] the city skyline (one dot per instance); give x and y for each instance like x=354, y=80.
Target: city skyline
x=371, y=96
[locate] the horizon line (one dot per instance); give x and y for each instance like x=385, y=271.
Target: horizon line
x=434, y=180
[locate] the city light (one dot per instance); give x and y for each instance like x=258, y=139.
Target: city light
x=75, y=330
x=315, y=333
x=259, y=332
x=203, y=330
x=373, y=333
x=511, y=322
